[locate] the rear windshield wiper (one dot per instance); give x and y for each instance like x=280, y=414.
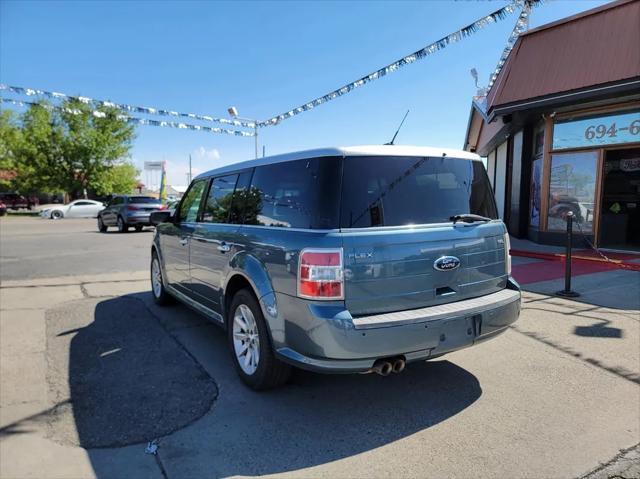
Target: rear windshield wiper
x=468, y=218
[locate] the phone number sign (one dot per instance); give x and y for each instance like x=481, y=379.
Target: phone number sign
x=597, y=131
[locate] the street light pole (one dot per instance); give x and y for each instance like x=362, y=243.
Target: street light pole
x=255, y=136
x=233, y=112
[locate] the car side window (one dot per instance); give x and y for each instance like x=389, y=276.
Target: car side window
x=191, y=202
x=116, y=201
x=298, y=194
x=219, y=200
x=82, y=203
x=246, y=201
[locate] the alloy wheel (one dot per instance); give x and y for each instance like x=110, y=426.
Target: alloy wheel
x=246, y=340
x=156, y=278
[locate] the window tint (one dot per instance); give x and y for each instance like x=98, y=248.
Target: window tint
x=143, y=199
x=296, y=194
x=246, y=201
x=395, y=191
x=82, y=203
x=117, y=201
x=191, y=202
x=218, y=204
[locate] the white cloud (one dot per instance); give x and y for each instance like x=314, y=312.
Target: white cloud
x=203, y=154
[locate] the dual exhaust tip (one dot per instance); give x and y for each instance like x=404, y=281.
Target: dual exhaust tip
x=384, y=367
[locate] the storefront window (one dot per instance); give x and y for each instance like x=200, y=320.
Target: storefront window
x=536, y=181
x=572, y=188
x=536, y=176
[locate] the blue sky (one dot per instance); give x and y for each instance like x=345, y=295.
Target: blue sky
x=264, y=58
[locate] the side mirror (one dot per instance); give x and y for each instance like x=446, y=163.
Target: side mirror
x=158, y=217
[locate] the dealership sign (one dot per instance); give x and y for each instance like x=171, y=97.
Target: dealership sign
x=597, y=131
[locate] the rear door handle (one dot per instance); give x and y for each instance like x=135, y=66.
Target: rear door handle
x=224, y=247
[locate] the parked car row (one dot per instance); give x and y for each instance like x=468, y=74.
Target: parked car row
x=122, y=211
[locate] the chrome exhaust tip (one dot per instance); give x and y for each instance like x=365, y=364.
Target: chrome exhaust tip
x=398, y=365
x=382, y=367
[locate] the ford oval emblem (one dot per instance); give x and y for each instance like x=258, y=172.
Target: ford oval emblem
x=446, y=263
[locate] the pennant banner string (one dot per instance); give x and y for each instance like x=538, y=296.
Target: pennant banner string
x=500, y=14
x=138, y=121
x=418, y=55
x=521, y=25
x=121, y=106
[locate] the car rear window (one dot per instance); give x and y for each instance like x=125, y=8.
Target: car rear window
x=143, y=199
x=296, y=194
x=397, y=191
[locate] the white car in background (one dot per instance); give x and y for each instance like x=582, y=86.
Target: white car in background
x=75, y=209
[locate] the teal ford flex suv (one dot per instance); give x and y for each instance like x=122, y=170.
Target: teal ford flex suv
x=340, y=260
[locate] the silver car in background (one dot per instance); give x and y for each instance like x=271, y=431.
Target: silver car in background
x=75, y=209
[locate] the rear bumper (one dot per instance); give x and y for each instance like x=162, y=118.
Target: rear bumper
x=138, y=219
x=328, y=339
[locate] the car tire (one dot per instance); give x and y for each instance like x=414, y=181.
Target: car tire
x=122, y=226
x=250, y=345
x=139, y=228
x=57, y=215
x=159, y=292
x=101, y=226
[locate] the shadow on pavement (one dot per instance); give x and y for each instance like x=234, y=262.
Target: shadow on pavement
x=131, y=381
x=315, y=419
x=127, y=381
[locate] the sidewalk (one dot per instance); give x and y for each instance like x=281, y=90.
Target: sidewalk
x=611, y=284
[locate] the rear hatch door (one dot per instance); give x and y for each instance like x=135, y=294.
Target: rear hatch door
x=402, y=247
x=393, y=270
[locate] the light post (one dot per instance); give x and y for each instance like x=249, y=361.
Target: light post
x=233, y=111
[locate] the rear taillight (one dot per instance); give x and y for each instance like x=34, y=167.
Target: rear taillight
x=163, y=207
x=507, y=253
x=320, y=274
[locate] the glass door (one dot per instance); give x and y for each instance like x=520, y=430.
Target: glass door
x=620, y=219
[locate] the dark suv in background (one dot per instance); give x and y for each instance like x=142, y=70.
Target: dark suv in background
x=126, y=211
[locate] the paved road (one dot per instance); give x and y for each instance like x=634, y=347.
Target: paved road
x=91, y=370
x=39, y=248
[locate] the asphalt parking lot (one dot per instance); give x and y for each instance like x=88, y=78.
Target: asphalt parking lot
x=44, y=248
x=91, y=371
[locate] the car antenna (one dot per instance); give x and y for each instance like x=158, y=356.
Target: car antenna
x=398, y=130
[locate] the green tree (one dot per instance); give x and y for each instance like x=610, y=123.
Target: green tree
x=92, y=146
x=118, y=179
x=9, y=140
x=37, y=151
x=70, y=148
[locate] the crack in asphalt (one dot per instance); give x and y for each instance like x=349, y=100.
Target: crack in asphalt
x=79, y=283
x=620, y=457
x=619, y=371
